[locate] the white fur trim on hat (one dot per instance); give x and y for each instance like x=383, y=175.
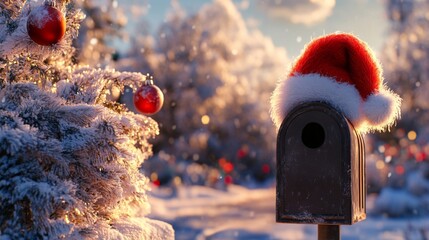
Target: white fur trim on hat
x=313, y=87
x=379, y=111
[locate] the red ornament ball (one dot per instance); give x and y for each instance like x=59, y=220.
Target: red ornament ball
x=46, y=25
x=148, y=99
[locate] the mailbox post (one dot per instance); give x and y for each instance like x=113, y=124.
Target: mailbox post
x=320, y=170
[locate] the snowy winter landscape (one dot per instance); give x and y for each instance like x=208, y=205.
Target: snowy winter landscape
x=242, y=213
x=138, y=119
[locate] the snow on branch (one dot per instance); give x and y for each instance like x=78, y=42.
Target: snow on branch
x=91, y=86
x=14, y=38
x=79, y=161
x=70, y=156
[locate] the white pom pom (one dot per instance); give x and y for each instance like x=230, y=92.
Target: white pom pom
x=382, y=109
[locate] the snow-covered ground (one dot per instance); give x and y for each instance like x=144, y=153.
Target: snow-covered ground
x=240, y=213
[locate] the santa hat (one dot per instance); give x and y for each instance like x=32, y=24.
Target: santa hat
x=341, y=70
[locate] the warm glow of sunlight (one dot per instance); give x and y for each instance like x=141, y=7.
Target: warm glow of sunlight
x=205, y=119
x=412, y=135
x=379, y=165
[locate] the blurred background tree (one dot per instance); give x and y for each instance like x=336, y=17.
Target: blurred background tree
x=217, y=76
x=401, y=156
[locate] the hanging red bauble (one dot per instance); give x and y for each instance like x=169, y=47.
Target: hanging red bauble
x=148, y=99
x=46, y=25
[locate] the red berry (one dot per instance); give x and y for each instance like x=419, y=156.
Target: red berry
x=148, y=99
x=157, y=183
x=228, y=167
x=46, y=25
x=266, y=168
x=228, y=180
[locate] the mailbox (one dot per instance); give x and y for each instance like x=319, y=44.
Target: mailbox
x=320, y=168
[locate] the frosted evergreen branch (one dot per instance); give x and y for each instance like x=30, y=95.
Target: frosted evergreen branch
x=87, y=152
x=91, y=85
x=11, y=8
x=18, y=41
x=28, y=69
x=24, y=56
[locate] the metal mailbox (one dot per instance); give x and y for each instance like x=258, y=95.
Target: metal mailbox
x=320, y=168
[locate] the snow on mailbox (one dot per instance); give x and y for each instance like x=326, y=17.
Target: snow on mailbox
x=333, y=93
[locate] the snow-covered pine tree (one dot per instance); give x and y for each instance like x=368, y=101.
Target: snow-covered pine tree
x=218, y=75
x=69, y=158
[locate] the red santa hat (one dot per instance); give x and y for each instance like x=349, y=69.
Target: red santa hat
x=341, y=70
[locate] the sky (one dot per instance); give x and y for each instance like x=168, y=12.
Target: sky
x=289, y=23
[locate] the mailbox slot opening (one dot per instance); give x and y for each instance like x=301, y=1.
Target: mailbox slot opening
x=313, y=135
